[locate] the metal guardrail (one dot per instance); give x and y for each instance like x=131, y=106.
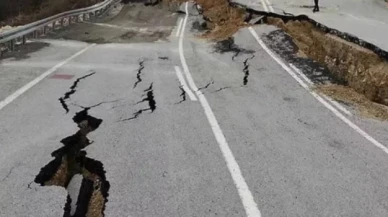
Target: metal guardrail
x=35, y=29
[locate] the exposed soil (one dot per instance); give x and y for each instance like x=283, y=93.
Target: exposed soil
x=223, y=20
x=22, y=52
x=364, y=106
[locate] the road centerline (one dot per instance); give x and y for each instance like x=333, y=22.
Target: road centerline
x=316, y=96
x=245, y=194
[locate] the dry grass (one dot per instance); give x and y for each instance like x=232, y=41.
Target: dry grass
x=61, y=175
x=96, y=205
x=362, y=69
x=47, y=8
x=364, y=106
x=224, y=20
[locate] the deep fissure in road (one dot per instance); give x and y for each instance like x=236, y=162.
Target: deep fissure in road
x=361, y=65
x=72, y=90
x=138, y=75
x=149, y=92
x=246, y=70
x=71, y=160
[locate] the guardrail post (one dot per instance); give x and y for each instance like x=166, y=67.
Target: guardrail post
x=24, y=40
x=44, y=30
x=78, y=19
x=84, y=17
x=12, y=45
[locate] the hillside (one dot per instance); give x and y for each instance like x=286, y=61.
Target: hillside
x=20, y=12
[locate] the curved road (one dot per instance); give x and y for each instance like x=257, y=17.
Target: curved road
x=190, y=128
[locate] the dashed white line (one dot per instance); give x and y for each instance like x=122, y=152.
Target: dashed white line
x=316, y=96
x=32, y=83
x=245, y=194
x=179, y=28
x=184, y=85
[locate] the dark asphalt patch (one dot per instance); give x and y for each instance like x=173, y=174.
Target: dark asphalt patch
x=22, y=51
x=246, y=70
x=150, y=98
x=138, y=75
x=163, y=58
x=200, y=26
x=228, y=46
x=280, y=42
x=183, y=95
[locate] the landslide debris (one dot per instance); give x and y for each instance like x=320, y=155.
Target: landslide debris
x=222, y=19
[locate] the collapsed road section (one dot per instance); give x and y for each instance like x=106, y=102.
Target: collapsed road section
x=69, y=161
x=354, y=63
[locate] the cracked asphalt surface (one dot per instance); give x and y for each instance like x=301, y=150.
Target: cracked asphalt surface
x=157, y=146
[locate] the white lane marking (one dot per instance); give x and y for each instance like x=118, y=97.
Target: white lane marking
x=245, y=194
x=301, y=74
x=316, y=96
x=183, y=83
x=335, y=103
x=338, y=105
x=179, y=27
x=270, y=6
x=264, y=5
x=23, y=89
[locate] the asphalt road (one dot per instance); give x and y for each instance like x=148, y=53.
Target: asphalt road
x=239, y=137
x=366, y=19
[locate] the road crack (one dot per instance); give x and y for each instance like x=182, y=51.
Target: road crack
x=151, y=103
x=246, y=70
x=228, y=45
x=138, y=75
x=72, y=90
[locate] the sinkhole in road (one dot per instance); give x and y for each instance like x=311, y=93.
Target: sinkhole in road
x=70, y=161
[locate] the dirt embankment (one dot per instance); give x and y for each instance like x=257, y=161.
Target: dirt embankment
x=21, y=12
x=365, y=71
x=362, y=69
